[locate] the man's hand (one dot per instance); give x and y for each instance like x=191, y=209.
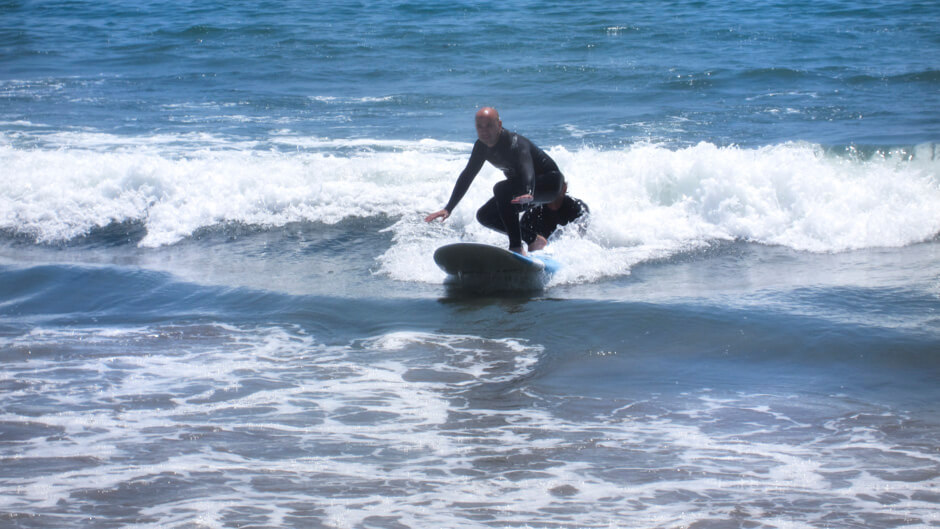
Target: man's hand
x=523, y=199
x=442, y=214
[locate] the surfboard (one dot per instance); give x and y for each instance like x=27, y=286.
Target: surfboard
x=475, y=264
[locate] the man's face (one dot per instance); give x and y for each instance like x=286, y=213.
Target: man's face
x=488, y=129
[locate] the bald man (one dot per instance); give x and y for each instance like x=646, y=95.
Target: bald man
x=532, y=177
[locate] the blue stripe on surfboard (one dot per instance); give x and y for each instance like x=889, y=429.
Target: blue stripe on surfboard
x=550, y=265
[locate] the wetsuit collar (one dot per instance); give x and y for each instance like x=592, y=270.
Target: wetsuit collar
x=503, y=138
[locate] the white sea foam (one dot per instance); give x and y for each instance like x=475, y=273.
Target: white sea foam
x=348, y=100
x=426, y=430
x=647, y=201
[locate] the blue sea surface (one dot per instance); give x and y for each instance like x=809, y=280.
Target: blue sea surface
x=595, y=73
x=218, y=306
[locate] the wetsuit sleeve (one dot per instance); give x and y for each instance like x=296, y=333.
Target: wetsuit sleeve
x=474, y=164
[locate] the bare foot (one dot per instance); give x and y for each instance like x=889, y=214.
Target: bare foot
x=539, y=243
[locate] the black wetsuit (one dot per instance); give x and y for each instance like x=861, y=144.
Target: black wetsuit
x=528, y=170
x=543, y=220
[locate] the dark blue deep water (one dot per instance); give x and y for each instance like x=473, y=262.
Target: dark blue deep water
x=218, y=306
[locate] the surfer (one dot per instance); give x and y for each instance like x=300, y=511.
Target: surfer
x=532, y=178
x=540, y=222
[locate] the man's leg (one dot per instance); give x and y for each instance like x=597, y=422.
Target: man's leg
x=529, y=224
x=488, y=215
x=548, y=188
x=500, y=214
x=509, y=214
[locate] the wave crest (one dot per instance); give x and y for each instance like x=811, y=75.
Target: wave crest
x=642, y=196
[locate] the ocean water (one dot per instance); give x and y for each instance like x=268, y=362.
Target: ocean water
x=218, y=306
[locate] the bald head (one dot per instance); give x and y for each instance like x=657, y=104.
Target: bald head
x=488, y=113
x=488, y=125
